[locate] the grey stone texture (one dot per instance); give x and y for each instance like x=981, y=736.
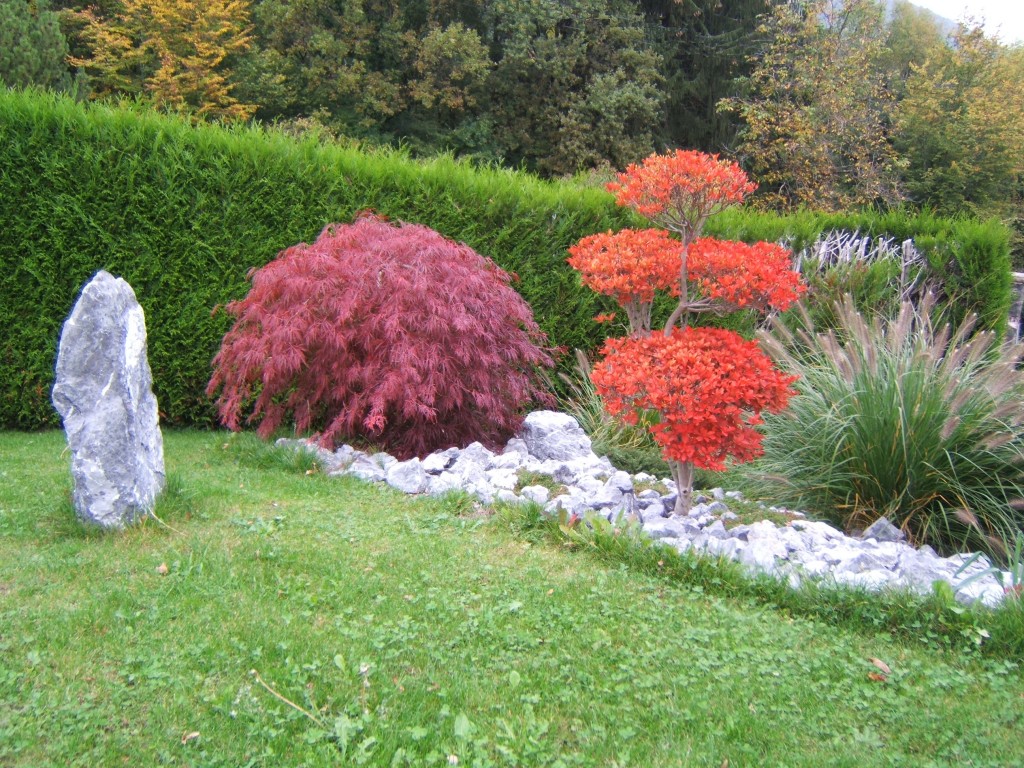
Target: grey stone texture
x=104, y=395
x=550, y=444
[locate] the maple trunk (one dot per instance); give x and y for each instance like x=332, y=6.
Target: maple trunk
x=682, y=474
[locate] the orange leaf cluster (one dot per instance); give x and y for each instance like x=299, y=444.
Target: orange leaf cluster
x=758, y=276
x=681, y=189
x=629, y=265
x=707, y=385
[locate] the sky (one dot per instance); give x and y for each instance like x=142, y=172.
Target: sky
x=1003, y=18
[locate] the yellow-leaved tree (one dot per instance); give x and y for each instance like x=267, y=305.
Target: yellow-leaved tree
x=961, y=126
x=176, y=53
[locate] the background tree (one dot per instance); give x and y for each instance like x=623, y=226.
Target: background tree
x=960, y=126
x=176, y=52
x=705, y=47
x=574, y=84
x=814, y=120
x=32, y=47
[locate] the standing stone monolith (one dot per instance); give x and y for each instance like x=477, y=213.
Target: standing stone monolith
x=104, y=394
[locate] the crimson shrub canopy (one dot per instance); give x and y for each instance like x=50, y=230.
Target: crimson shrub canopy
x=388, y=332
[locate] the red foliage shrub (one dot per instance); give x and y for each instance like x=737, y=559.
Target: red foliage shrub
x=392, y=333
x=707, y=385
x=758, y=276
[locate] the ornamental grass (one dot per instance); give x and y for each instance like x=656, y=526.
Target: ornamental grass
x=901, y=418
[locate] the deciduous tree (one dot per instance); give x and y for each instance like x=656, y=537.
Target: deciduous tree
x=814, y=119
x=176, y=52
x=391, y=333
x=701, y=389
x=961, y=126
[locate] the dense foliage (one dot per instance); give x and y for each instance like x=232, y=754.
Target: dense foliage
x=707, y=385
x=913, y=113
x=32, y=47
x=699, y=391
x=391, y=333
x=183, y=212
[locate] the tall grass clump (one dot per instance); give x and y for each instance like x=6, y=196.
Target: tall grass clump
x=901, y=418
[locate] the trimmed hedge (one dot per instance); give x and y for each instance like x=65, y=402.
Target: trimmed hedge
x=970, y=258
x=183, y=213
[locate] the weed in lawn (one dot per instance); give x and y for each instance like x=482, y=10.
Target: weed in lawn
x=526, y=478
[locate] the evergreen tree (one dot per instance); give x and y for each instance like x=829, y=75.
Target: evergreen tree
x=32, y=47
x=706, y=48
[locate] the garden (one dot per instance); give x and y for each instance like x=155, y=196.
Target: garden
x=269, y=613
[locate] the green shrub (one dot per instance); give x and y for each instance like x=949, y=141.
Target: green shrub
x=184, y=212
x=902, y=419
x=968, y=260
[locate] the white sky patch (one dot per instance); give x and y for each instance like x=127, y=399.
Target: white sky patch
x=1002, y=18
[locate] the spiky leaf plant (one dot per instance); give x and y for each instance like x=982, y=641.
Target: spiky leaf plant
x=901, y=418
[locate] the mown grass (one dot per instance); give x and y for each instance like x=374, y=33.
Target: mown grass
x=284, y=618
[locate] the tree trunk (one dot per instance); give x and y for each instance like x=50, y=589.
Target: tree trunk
x=682, y=473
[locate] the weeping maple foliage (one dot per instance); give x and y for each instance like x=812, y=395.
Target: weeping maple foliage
x=630, y=266
x=756, y=276
x=707, y=385
x=391, y=333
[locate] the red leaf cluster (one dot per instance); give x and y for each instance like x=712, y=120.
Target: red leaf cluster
x=758, y=276
x=388, y=332
x=708, y=387
x=681, y=189
x=629, y=265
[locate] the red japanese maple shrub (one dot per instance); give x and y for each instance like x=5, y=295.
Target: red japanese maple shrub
x=391, y=333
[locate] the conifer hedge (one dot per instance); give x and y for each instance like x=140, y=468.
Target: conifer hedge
x=184, y=212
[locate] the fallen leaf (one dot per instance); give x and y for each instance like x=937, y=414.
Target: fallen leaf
x=877, y=677
x=881, y=665
x=162, y=569
x=187, y=737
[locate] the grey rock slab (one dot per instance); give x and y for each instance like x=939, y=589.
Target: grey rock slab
x=621, y=481
x=502, y=478
x=536, y=493
x=572, y=505
x=103, y=392
x=717, y=530
x=443, y=483
x=665, y=527
x=408, y=476
x=883, y=530
x=554, y=435
x=367, y=468
x=439, y=461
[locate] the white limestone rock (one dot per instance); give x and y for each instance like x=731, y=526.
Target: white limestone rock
x=104, y=394
x=553, y=435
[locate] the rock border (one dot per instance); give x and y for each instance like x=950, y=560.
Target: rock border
x=552, y=444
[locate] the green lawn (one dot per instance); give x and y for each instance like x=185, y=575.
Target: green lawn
x=286, y=619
